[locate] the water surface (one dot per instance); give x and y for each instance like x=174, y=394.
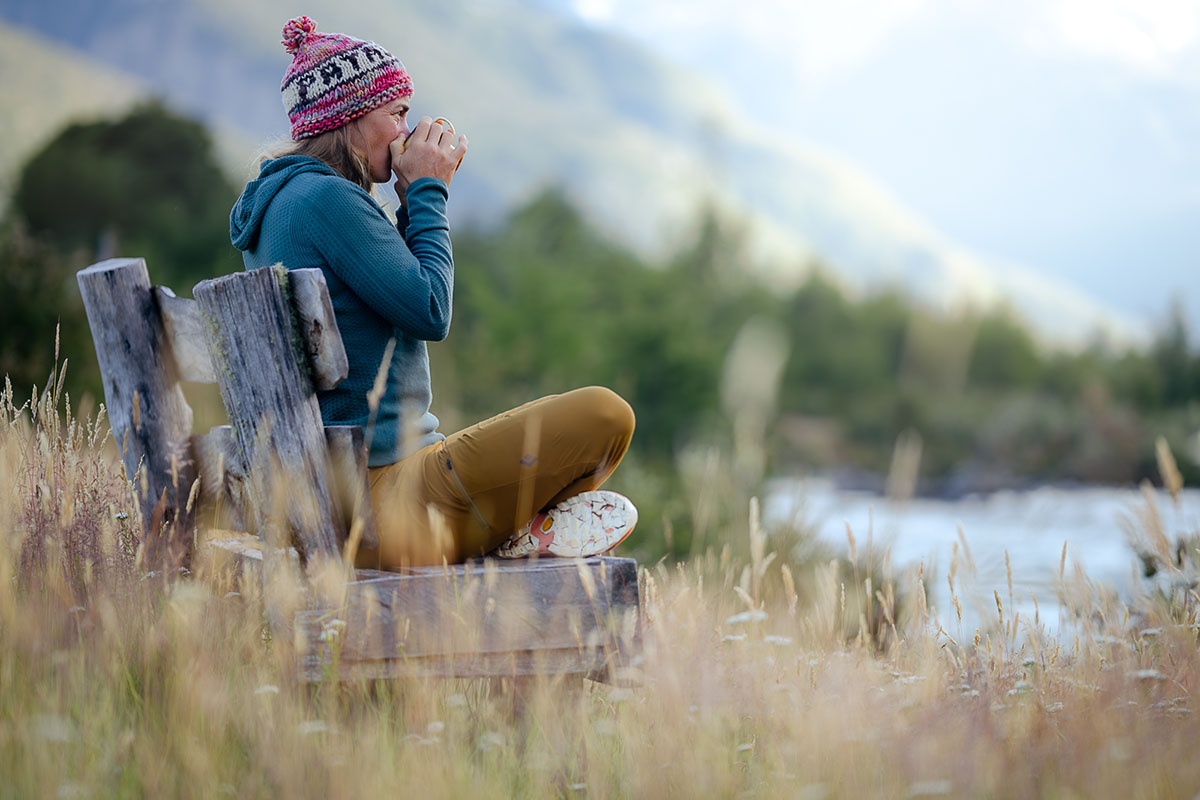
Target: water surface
x=1031, y=526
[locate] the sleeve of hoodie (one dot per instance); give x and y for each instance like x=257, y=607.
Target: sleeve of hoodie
x=404, y=273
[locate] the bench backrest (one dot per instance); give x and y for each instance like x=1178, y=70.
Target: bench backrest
x=269, y=340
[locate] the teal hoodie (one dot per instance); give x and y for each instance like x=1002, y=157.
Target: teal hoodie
x=385, y=283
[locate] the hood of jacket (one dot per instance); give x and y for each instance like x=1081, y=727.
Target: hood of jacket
x=245, y=220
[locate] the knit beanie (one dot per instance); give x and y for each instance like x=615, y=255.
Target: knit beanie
x=335, y=78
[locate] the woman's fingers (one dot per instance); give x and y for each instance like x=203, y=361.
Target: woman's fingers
x=421, y=132
x=431, y=150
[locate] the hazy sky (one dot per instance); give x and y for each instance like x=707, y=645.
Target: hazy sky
x=1061, y=135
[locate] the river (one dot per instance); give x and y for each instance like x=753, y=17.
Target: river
x=1031, y=525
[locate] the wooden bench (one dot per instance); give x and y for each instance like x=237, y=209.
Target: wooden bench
x=269, y=340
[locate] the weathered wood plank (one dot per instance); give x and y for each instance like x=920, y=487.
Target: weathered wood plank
x=348, y=460
x=318, y=328
x=151, y=421
x=184, y=326
x=259, y=359
x=222, y=497
x=442, y=620
x=592, y=663
x=219, y=466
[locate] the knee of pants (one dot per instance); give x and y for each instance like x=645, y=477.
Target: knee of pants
x=609, y=413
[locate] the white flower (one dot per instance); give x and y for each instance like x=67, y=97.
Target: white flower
x=747, y=616
x=53, y=728
x=620, y=695
x=331, y=629
x=490, y=740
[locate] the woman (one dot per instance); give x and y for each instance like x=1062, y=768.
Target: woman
x=520, y=483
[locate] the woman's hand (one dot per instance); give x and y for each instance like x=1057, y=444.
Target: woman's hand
x=431, y=151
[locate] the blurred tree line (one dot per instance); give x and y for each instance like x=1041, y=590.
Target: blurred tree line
x=546, y=303
x=148, y=185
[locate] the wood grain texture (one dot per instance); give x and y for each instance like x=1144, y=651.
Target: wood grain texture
x=222, y=500
x=260, y=364
x=151, y=421
x=184, y=326
x=348, y=459
x=592, y=663
x=318, y=328
x=509, y=617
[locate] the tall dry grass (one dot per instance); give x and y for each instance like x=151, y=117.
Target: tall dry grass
x=764, y=675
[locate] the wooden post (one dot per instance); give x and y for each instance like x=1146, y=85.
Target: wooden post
x=151, y=421
x=259, y=358
x=222, y=482
x=348, y=456
x=318, y=328
x=184, y=326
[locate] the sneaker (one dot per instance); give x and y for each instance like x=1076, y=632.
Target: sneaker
x=584, y=525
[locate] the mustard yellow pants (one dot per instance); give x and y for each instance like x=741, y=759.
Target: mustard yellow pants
x=462, y=497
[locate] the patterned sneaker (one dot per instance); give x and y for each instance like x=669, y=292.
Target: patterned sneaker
x=584, y=525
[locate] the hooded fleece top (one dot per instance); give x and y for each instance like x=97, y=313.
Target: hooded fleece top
x=384, y=281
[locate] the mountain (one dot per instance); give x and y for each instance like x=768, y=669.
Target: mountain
x=638, y=143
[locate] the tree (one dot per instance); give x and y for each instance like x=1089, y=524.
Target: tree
x=38, y=296
x=1172, y=355
x=145, y=185
x=1005, y=354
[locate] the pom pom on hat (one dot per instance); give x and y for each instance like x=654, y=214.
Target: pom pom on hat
x=296, y=31
x=335, y=79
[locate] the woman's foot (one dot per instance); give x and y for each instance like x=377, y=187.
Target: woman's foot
x=584, y=525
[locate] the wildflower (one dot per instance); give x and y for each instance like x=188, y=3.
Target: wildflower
x=490, y=740
x=331, y=630
x=606, y=727
x=53, y=728
x=70, y=789
x=620, y=695
x=928, y=789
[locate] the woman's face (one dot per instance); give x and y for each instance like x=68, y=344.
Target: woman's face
x=374, y=132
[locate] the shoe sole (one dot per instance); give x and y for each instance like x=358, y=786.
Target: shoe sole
x=588, y=524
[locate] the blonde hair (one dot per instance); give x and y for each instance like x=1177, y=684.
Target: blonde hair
x=334, y=148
